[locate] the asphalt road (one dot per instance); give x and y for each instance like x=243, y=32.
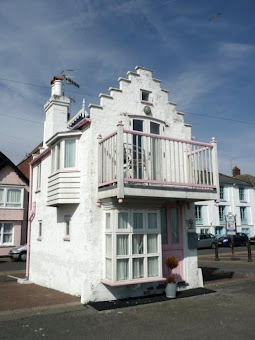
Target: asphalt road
x=7, y=265
x=227, y=313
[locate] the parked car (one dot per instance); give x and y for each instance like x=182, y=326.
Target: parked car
x=252, y=240
x=206, y=241
x=240, y=239
x=19, y=253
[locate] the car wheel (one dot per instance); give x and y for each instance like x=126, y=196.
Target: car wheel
x=23, y=257
x=213, y=246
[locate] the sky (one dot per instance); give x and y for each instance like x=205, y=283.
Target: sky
x=205, y=60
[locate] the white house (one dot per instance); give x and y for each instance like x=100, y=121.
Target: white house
x=236, y=197
x=113, y=193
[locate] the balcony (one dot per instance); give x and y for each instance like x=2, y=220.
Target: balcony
x=133, y=163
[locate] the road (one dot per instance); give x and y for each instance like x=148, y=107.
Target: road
x=226, y=313
x=7, y=265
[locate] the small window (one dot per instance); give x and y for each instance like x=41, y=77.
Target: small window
x=67, y=226
x=38, y=181
x=146, y=96
x=40, y=230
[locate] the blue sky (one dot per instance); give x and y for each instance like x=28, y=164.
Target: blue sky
x=207, y=65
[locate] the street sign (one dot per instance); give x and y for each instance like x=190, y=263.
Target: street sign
x=231, y=224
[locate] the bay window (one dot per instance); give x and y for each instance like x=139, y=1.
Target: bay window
x=63, y=155
x=132, y=245
x=6, y=233
x=11, y=197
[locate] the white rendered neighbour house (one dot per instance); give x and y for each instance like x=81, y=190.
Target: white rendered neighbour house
x=236, y=197
x=113, y=193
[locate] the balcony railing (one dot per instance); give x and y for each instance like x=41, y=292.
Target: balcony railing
x=127, y=156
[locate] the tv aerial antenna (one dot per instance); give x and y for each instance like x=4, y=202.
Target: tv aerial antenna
x=68, y=76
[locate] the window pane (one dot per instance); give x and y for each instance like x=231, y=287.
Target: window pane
x=122, y=245
x=109, y=269
x=152, y=243
x=108, y=221
x=53, y=159
x=174, y=225
x=7, y=238
x=152, y=220
x=58, y=156
x=138, y=244
x=138, y=268
x=164, y=227
x=70, y=153
x=108, y=245
x=122, y=269
x=152, y=266
x=8, y=227
x=138, y=220
x=13, y=198
x=122, y=220
x=1, y=197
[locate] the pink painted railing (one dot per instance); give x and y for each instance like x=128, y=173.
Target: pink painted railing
x=138, y=157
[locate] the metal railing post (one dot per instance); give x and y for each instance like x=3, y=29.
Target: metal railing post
x=249, y=251
x=216, y=251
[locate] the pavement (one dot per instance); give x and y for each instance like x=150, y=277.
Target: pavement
x=21, y=299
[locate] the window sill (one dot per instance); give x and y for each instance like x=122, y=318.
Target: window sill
x=133, y=282
x=146, y=103
x=6, y=246
x=38, y=190
x=67, y=238
x=39, y=239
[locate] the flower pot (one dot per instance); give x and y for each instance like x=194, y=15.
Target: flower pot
x=171, y=290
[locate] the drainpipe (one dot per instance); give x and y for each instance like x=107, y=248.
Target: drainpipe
x=31, y=213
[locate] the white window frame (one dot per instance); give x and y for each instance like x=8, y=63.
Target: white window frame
x=223, y=212
x=4, y=203
x=242, y=194
x=2, y=224
x=199, y=209
x=222, y=193
x=130, y=231
x=58, y=155
x=146, y=93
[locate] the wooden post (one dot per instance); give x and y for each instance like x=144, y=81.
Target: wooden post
x=100, y=161
x=215, y=168
x=120, y=161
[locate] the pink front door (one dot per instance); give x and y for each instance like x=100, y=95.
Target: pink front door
x=172, y=244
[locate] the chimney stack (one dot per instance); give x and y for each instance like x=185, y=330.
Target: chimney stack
x=236, y=171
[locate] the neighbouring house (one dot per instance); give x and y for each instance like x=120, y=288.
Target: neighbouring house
x=113, y=193
x=23, y=166
x=13, y=205
x=236, y=197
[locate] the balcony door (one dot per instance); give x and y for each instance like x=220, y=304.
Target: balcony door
x=172, y=243
x=148, y=148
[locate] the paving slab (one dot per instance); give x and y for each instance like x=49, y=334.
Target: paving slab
x=14, y=296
